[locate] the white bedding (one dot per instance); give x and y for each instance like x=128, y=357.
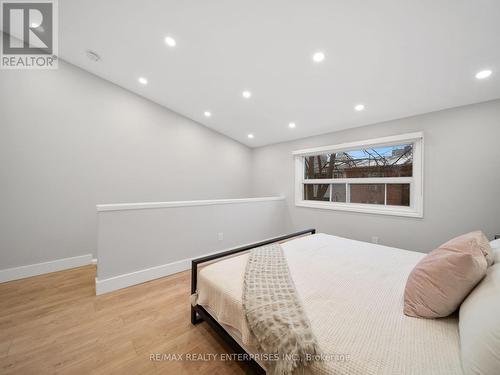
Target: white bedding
x=353, y=295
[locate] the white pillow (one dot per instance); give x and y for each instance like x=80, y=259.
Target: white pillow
x=495, y=246
x=479, y=324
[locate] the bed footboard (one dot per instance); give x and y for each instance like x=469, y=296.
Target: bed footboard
x=223, y=254
x=199, y=314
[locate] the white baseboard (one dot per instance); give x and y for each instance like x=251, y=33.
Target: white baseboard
x=22, y=272
x=139, y=277
x=148, y=274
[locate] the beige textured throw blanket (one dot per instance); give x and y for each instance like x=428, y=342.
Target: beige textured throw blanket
x=275, y=314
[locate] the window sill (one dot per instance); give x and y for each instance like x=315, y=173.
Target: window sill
x=364, y=208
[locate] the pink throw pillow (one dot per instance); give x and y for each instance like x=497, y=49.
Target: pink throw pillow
x=471, y=240
x=443, y=278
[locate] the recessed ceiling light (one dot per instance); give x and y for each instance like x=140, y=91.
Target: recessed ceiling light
x=246, y=94
x=359, y=107
x=143, y=81
x=483, y=74
x=318, y=56
x=291, y=125
x=250, y=135
x=207, y=114
x=169, y=41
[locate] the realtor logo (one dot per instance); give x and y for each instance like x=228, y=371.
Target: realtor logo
x=29, y=34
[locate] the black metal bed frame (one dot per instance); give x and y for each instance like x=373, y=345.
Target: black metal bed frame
x=199, y=314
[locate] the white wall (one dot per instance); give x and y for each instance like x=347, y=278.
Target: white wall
x=461, y=185
x=70, y=140
x=136, y=245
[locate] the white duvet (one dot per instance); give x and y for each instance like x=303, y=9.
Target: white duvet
x=353, y=295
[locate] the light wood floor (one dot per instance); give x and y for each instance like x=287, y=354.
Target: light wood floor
x=54, y=324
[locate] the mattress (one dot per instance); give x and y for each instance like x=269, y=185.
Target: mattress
x=352, y=292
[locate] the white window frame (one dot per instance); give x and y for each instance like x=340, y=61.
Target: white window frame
x=416, y=181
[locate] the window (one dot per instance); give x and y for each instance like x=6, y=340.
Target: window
x=381, y=176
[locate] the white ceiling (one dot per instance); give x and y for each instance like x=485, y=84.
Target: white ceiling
x=398, y=57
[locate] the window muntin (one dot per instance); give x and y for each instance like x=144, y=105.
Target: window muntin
x=381, y=194
x=377, y=176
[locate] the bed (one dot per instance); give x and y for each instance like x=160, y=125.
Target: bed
x=352, y=292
